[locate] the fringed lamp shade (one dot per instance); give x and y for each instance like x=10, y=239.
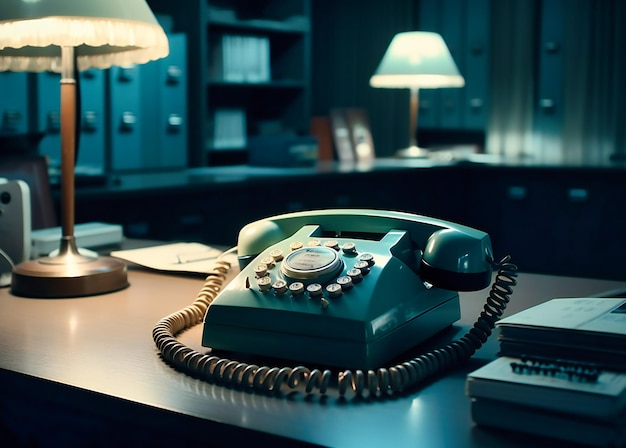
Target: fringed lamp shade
x=103, y=32
x=417, y=59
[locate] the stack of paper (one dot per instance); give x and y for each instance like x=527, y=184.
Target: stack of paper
x=588, y=329
x=174, y=257
x=230, y=129
x=561, y=373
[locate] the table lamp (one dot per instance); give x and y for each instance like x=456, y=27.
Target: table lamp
x=416, y=60
x=65, y=36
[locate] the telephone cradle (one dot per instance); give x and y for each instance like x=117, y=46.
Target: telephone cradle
x=342, y=288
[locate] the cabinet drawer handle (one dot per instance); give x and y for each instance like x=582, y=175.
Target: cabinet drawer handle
x=128, y=122
x=577, y=194
x=11, y=120
x=476, y=103
x=126, y=73
x=516, y=192
x=174, y=74
x=547, y=104
x=552, y=46
x=53, y=122
x=174, y=123
x=90, y=121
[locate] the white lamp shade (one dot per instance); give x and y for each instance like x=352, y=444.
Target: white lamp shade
x=417, y=59
x=103, y=33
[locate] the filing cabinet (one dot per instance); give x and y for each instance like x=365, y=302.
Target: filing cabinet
x=558, y=220
x=549, y=105
x=13, y=103
x=148, y=112
x=48, y=94
x=90, y=143
x=165, y=83
x=464, y=25
x=91, y=146
x=130, y=118
x=126, y=121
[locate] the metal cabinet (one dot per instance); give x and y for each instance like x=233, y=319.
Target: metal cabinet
x=164, y=108
x=464, y=25
x=13, y=103
x=561, y=221
x=549, y=105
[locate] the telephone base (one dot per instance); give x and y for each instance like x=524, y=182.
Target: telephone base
x=342, y=353
x=353, y=298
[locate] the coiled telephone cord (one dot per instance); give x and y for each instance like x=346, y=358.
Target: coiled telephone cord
x=382, y=381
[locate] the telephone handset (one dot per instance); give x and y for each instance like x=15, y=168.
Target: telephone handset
x=348, y=289
x=455, y=257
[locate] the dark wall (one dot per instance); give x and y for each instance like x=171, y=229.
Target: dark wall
x=349, y=39
x=538, y=84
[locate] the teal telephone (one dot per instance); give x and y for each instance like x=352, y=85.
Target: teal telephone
x=348, y=289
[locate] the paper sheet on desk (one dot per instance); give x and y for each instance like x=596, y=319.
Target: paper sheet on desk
x=194, y=258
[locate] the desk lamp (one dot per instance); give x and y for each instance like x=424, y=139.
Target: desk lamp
x=65, y=36
x=416, y=60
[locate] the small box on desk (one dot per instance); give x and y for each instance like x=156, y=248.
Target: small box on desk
x=282, y=150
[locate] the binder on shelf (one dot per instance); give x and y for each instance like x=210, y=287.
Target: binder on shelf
x=341, y=136
x=321, y=129
x=245, y=58
x=229, y=129
x=258, y=55
x=351, y=135
x=362, y=142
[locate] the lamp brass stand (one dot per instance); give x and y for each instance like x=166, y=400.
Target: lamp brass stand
x=68, y=274
x=413, y=150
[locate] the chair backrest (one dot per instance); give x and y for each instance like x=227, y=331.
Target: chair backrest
x=33, y=169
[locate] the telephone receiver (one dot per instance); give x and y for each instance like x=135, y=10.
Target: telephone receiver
x=349, y=288
x=444, y=254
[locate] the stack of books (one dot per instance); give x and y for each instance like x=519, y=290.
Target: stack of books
x=561, y=373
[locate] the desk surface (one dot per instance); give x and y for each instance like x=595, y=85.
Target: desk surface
x=87, y=361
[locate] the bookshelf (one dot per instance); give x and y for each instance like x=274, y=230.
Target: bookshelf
x=248, y=62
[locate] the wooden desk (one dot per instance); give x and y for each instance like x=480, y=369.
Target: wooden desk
x=85, y=372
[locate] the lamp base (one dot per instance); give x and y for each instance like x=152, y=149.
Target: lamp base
x=413, y=152
x=68, y=274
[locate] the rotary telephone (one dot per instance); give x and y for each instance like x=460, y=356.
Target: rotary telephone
x=347, y=289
